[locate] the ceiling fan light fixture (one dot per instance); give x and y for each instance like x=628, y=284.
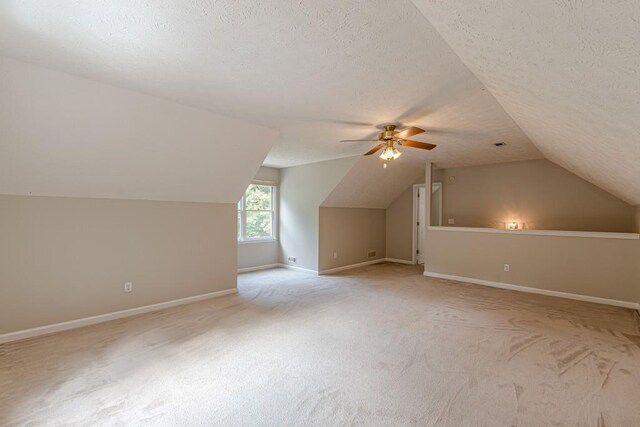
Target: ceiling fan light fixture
x=389, y=137
x=390, y=153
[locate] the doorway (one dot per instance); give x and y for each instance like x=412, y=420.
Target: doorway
x=419, y=216
x=419, y=223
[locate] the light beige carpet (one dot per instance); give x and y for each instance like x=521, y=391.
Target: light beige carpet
x=382, y=345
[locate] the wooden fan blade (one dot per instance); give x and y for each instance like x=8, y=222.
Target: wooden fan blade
x=416, y=144
x=407, y=133
x=358, y=140
x=374, y=149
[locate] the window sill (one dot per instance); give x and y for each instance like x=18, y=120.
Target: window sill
x=251, y=242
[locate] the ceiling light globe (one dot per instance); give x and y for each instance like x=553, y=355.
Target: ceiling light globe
x=390, y=153
x=387, y=154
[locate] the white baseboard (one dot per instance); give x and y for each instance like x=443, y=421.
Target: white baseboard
x=72, y=324
x=399, y=261
x=328, y=271
x=257, y=268
x=350, y=266
x=278, y=265
x=527, y=289
x=293, y=267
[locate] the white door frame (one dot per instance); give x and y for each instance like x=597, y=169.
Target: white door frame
x=416, y=188
x=414, y=223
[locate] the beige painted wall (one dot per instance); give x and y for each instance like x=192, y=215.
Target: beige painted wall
x=636, y=226
x=256, y=254
x=436, y=202
x=606, y=268
x=399, y=227
x=538, y=193
x=67, y=258
x=302, y=190
x=350, y=233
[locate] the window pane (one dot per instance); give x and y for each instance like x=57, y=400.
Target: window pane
x=239, y=219
x=258, y=224
x=258, y=197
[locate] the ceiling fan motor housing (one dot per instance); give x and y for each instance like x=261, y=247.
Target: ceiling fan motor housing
x=390, y=136
x=388, y=133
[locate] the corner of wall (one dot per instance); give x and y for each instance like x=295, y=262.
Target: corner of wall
x=302, y=191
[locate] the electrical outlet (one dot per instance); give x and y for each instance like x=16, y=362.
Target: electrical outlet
x=371, y=254
x=291, y=259
x=335, y=255
x=128, y=287
x=452, y=221
x=507, y=267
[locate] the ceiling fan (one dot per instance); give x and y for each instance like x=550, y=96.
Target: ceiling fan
x=390, y=136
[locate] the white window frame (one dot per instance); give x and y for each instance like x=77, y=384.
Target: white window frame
x=274, y=216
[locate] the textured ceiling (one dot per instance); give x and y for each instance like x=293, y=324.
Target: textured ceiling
x=62, y=135
x=369, y=185
x=317, y=71
x=568, y=73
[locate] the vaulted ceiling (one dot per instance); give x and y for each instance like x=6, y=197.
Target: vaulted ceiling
x=369, y=185
x=563, y=75
x=62, y=135
x=317, y=71
x=568, y=73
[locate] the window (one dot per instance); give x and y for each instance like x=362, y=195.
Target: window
x=257, y=214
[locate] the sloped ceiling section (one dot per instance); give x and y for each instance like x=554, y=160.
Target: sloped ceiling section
x=568, y=73
x=66, y=136
x=319, y=71
x=369, y=185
